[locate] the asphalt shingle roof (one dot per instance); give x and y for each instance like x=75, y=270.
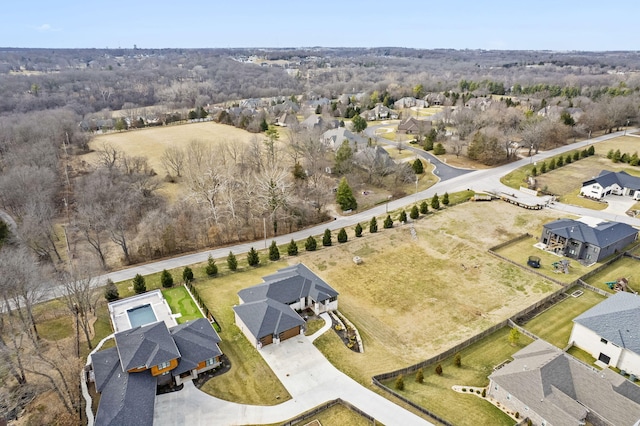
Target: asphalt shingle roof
x=602, y=235
x=146, y=346
x=267, y=316
x=615, y=319
x=607, y=178
x=197, y=341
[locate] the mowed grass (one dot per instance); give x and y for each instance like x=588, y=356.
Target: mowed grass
x=554, y=325
x=478, y=361
x=250, y=380
x=179, y=301
x=520, y=251
x=337, y=415
x=625, y=267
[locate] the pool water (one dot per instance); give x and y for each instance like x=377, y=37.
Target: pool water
x=142, y=315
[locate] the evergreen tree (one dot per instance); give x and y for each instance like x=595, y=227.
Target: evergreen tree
x=439, y=370
x=274, y=252
x=326, y=238
x=111, y=291
x=445, y=199
x=139, y=285
x=438, y=149
x=584, y=153
x=414, y=213
x=514, y=336
x=543, y=168
x=232, y=262
x=373, y=225
x=187, y=274
x=552, y=164
x=424, y=207
x=342, y=236
x=399, y=385
x=576, y=156
x=253, y=258
x=311, y=244
x=263, y=125
x=211, y=268
x=403, y=216
x=560, y=161
x=344, y=196
x=344, y=158
x=616, y=156
x=358, y=123
x=358, y=230
x=435, y=202
x=457, y=360
x=591, y=151
x=417, y=167
x=292, y=248
x=166, y=279
x=419, y=376
x=388, y=222
x=568, y=159
x=534, y=171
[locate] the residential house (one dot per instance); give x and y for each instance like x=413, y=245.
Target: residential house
x=482, y=103
x=552, y=388
x=609, y=332
x=554, y=112
x=379, y=112
x=268, y=312
x=333, y=139
x=286, y=119
x=409, y=102
x=145, y=357
x=413, y=126
x=584, y=242
x=435, y=99
x=616, y=183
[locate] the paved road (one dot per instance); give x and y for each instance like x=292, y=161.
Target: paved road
x=308, y=377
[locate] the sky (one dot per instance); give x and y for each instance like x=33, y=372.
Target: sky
x=457, y=24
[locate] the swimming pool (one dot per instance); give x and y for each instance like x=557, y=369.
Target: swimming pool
x=141, y=315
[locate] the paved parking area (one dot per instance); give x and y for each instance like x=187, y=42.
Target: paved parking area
x=618, y=204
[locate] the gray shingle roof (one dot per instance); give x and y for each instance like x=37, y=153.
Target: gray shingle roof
x=615, y=319
x=602, y=235
x=197, y=341
x=267, y=316
x=289, y=285
x=126, y=399
x=146, y=346
x=607, y=178
x=558, y=387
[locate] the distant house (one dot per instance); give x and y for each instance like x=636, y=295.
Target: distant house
x=413, y=126
x=610, y=333
x=590, y=244
x=409, y=102
x=268, y=312
x=333, y=139
x=286, y=119
x=551, y=387
x=435, y=99
x=554, y=112
x=616, y=183
x=144, y=358
x=379, y=112
x=482, y=103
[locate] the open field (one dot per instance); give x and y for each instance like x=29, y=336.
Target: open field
x=180, y=301
x=626, y=267
x=554, y=325
x=478, y=361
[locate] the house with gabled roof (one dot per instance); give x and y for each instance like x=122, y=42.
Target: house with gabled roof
x=616, y=183
x=269, y=312
x=610, y=332
x=581, y=241
x=333, y=139
x=413, y=126
x=551, y=387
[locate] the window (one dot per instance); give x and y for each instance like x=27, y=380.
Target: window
x=603, y=340
x=211, y=361
x=604, y=358
x=164, y=365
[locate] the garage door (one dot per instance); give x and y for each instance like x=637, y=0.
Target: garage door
x=267, y=340
x=292, y=332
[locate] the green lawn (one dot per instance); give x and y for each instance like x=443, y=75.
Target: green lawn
x=179, y=301
x=337, y=415
x=554, y=325
x=583, y=356
x=478, y=361
x=313, y=326
x=57, y=328
x=626, y=267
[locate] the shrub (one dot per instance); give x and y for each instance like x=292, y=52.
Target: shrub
x=417, y=167
x=388, y=222
x=211, y=268
x=457, y=360
x=311, y=244
x=591, y=151
x=584, y=153
x=560, y=161
x=326, y=238
x=435, y=202
x=576, y=156
x=232, y=262
x=342, y=236
x=187, y=274
x=111, y=291
x=484, y=393
x=534, y=171
x=517, y=415
x=445, y=199
x=373, y=225
x=399, y=383
x=419, y=376
x=292, y=248
x=414, y=213
x=424, y=207
x=568, y=159
x=403, y=216
x=274, y=252
x=464, y=389
x=253, y=258
x=166, y=279
x=358, y=230
x=552, y=164
x=139, y=285
x=543, y=168
x=439, y=370
x=439, y=149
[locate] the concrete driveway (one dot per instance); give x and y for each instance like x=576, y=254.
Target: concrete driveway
x=617, y=204
x=308, y=376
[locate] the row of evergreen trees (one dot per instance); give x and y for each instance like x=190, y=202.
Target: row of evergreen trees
x=618, y=157
x=561, y=160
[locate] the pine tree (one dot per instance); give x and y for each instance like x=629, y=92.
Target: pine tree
x=560, y=161
x=166, y=279
x=399, y=385
x=591, y=151
x=445, y=199
x=424, y=207
x=414, y=213
x=543, y=168
x=139, y=285
x=373, y=225
x=274, y=252
x=187, y=274
x=402, y=217
x=388, y=222
x=584, y=153
x=111, y=291
x=552, y=164
x=326, y=238
x=232, y=262
x=419, y=376
x=568, y=159
x=253, y=258
x=358, y=230
x=435, y=202
x=311, y=244
x=534, y=171
x=292, y=248
x=211, y=268
x=342, y=236
x=344, y=196
x=576, y=156
x=417, y=167
x=439, y=149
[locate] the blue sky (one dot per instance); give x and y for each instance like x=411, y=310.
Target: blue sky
x=473, y=24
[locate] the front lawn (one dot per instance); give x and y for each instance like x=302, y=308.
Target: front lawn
x=626, y=267
x=180, y=302
x=478, y=361
x=554, y=325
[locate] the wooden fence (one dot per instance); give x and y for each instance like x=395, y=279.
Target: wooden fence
x=314, y=412
x=208, y=314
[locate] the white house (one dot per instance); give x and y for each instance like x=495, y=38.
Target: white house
x=610, y=333
x=616, y=183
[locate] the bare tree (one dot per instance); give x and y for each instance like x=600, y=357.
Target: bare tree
x=108, y=156
x=173, y=160
x=78, y=292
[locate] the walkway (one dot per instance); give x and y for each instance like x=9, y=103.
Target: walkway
x=305, y=373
